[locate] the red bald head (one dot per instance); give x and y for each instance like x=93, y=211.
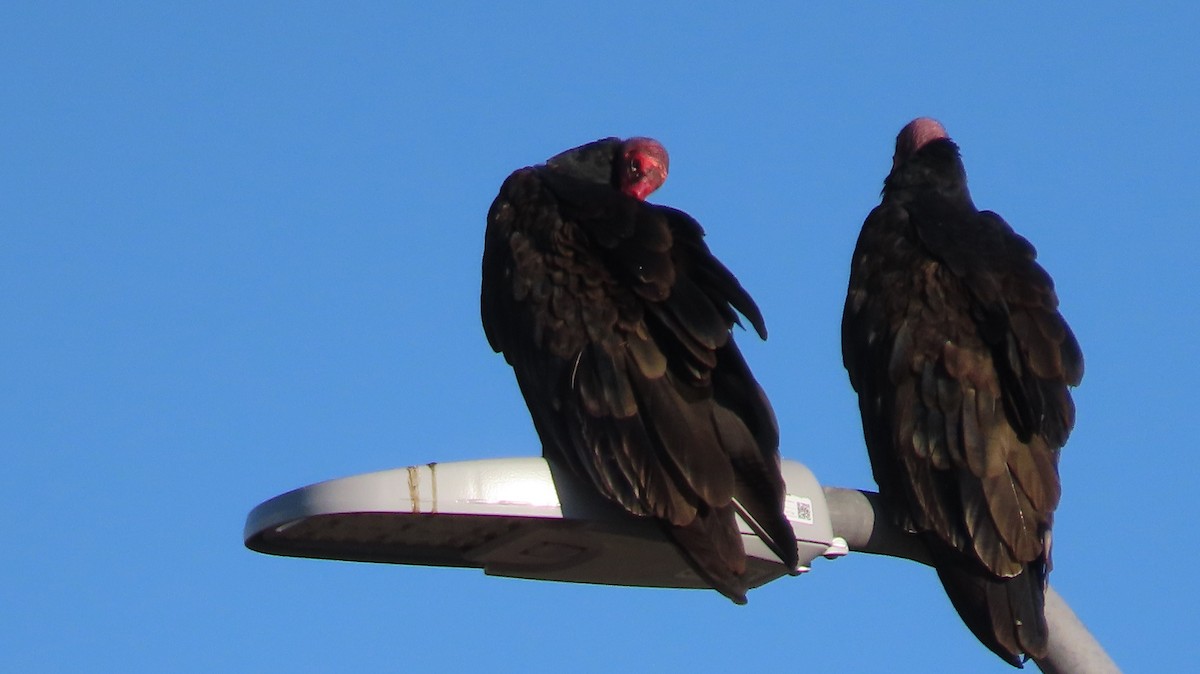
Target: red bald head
x=916, y=135
x=643, y=167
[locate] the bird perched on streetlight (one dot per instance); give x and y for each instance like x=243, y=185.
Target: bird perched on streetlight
x=616, y=320
x=962, y=362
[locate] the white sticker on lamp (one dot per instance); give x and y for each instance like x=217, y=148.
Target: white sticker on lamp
x=798, y=509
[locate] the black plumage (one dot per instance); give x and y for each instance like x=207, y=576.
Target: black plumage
x=617, y=322
x=953, y=340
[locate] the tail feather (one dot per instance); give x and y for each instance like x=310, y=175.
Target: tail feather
x=1008, y=615
x=712, y=546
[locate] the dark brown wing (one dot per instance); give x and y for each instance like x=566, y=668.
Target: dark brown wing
x=616, y=319
x=953, y=340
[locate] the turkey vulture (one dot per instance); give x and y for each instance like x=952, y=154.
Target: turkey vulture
x=616, y=319
x=953, y=340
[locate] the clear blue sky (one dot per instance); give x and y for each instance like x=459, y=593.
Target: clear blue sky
x=239, y=253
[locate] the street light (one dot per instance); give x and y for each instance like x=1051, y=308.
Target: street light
x=530, y=518
x=524, y=518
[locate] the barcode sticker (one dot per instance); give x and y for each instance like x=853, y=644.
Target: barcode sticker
x=798, y=509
